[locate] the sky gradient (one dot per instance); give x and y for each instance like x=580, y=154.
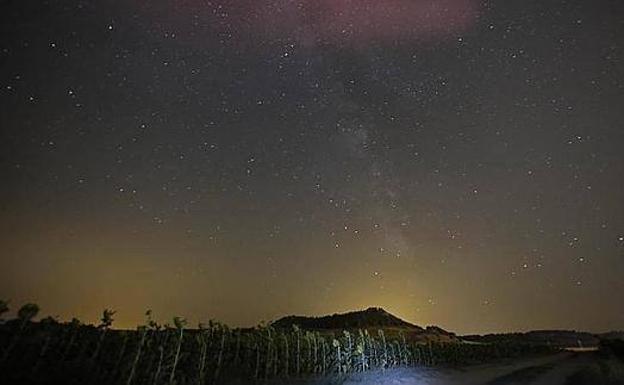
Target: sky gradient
x=458, y=163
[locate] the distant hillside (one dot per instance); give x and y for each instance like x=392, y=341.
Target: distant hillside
x=366, y=319
x=370, y=319
x=553, y=338
x=614, y=335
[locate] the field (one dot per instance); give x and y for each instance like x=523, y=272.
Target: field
x=50, y=352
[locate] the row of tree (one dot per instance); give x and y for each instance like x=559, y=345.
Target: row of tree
x=74, y=353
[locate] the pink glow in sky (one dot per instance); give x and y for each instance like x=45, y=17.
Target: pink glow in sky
x=332, y=21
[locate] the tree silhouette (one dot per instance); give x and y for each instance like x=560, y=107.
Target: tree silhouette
x=107, y=318
x=27, y=312
x=105, y=322
x=4, y=307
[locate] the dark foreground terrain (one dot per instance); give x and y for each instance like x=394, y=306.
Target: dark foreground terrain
x=568, y=368
x=369, y=347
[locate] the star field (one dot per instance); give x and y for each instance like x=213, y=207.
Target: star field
x=458, y=163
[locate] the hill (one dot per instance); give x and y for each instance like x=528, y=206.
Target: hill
x=371, y=319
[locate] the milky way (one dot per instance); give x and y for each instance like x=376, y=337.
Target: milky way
x=343, y=22
x=456, y=162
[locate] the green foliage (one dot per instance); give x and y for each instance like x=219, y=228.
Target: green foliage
x=4, y=307
x=150, y=321
x=49, y=321
x=107, y=318
x=27, y=312
x=179, y=322
x=156, y=355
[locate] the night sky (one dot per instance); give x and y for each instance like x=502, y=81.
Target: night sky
x=457, y=162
